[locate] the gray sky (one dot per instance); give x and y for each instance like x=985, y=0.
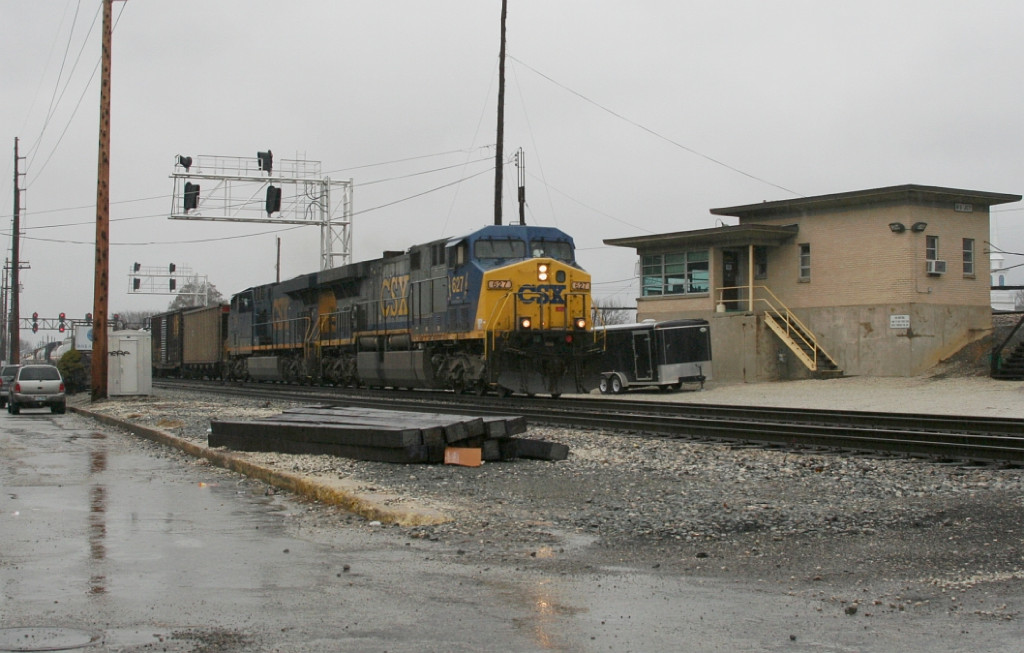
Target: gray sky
x=635, y=117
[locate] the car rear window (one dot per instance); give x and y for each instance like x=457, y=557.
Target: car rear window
x=39, y=374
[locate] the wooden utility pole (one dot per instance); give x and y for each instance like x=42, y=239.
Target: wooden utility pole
x=500, y=149
x=14, y=328
x=102, y=280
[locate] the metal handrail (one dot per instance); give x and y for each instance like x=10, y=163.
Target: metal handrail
x=997, y=352
x=785, y=315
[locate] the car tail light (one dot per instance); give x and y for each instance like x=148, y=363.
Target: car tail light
x=17, y=387
x=62, y=387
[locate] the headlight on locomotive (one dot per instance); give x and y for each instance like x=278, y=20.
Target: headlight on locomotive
x=525, y=323
x=580, y=323
x=542, y=271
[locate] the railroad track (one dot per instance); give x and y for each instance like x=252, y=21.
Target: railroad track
x=952, y=438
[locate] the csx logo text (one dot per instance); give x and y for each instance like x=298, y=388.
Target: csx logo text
x=542, y=294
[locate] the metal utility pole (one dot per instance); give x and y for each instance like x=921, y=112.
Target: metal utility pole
x=102, y=280
x=14, y=332
x=500, y=149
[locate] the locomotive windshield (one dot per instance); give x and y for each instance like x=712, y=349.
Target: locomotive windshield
x=556, y=249
x=499, y=248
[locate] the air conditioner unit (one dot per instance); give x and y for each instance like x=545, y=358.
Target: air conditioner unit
x=935, y=267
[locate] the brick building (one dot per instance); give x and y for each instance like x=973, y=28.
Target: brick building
x=879, y=282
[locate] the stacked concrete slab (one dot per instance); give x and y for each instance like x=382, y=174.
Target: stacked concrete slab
x=383, y=435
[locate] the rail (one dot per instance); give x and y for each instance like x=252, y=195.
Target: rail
x=939, y=437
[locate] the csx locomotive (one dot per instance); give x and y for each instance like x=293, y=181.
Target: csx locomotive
x=504, y=308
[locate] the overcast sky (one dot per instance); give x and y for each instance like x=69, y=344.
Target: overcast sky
x=635, y=117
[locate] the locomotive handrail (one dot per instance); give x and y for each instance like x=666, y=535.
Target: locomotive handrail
x=288, y=327
x=490, y=329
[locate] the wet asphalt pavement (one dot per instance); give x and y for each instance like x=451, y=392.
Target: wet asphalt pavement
x=112, y=543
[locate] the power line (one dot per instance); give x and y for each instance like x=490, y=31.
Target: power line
x=654, y=133
x=71, y=118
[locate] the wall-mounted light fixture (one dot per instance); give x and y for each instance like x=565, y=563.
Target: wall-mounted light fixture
x=919, y=226
x=897, y=227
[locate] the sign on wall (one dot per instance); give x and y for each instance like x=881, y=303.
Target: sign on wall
x=899, y=321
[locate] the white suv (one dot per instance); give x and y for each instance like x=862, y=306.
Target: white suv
x=36, y=386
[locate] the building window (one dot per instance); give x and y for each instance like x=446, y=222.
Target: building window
x=681, y=273
x=760, y=262
x=931, y=248
x=805, y=262
x=968, y=257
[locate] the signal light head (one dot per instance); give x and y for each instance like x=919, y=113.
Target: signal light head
x=542, y=272
x=525, y=323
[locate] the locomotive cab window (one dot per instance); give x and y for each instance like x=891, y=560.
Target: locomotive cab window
x=242, y=304
x=457, y=255
x=556, y=249
x=499, y=248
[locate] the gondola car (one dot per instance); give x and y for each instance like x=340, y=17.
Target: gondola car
x=655, y=354
x=504, y=308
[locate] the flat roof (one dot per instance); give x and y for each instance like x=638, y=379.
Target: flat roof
x=744, y=234
x=904, y=194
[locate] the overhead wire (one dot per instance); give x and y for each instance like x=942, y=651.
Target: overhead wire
x=654, y=133
x=533, y=142
x=476, y=133
x=53, y=46
x=78, y=105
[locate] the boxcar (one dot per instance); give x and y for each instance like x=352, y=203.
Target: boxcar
x=203, y=353
x=655, y=354
x=167, y=343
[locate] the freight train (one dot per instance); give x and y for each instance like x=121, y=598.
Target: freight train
x=505, y=308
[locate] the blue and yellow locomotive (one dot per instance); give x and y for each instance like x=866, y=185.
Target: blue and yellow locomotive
x=505, y=308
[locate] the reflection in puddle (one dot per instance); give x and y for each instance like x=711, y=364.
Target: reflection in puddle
x=98, y=518
x=547, y=611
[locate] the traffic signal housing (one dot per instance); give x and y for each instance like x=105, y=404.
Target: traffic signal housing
x=191, y=198
x=60, y=323
x=265, y=160
x=35, y=322
x=273, y=200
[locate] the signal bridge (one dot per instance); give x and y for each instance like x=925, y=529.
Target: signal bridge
x=258, y=189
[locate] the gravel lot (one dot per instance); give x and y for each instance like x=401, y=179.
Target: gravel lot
x=884, y=534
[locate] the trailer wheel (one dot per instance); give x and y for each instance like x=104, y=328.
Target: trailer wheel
x=616, y=385
x=603, y=385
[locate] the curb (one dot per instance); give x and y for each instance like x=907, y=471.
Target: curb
x=337, y=492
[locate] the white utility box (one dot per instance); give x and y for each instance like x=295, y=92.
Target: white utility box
x=130, y=367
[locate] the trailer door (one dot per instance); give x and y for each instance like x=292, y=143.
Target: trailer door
x=642, y=355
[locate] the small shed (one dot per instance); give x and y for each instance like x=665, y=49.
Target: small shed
x=129, y=371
